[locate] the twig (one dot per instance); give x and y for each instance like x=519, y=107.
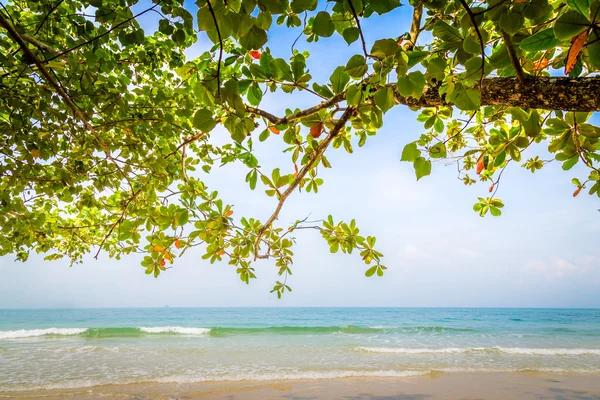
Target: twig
x=112, y=228
x=301, y=174
x=47, y=15
x=220, y=49
x=362, y=38
x=481, y=43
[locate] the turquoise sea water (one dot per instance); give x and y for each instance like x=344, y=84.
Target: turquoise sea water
x=86, y=347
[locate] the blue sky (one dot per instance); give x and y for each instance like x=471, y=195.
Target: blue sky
x=542, y=252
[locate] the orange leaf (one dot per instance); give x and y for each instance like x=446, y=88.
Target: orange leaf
x=168, y=256
x=480, y=165
x=543, y=63
x=229, y=213
x=316, y=130
x=35, y=153
x=220, y=252
x=162, y=262
x=255, y=54
x=400, y=41
x=274, y=130
x=159, y=249
x=491, y=188
x=577, y=191
x=178, y=243
x=574, y=50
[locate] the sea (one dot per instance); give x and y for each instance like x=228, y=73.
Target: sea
x=76, y=348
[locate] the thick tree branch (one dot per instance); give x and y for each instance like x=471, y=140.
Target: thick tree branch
x=301, y=174
x=546, y=93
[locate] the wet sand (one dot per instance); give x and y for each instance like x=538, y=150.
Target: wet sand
x=518, y=385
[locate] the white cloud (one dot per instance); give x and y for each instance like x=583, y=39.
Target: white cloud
x=556, y=268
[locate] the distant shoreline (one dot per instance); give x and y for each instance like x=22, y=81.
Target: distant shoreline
x=437, y=385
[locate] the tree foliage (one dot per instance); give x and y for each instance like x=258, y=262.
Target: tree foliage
x=106, y=128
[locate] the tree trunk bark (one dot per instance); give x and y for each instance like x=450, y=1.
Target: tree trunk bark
x=548, y=93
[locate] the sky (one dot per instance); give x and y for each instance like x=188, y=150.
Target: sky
x=542, y=252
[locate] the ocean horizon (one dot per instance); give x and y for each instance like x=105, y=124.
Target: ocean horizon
x=76, y=348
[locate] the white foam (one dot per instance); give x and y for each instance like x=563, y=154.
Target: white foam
x=24, y=333
x=292, y=375
x=402, y=350
x=507, y=350
x=176, y=329
x=549, y=352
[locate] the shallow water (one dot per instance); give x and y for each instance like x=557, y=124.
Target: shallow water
x=85, y=347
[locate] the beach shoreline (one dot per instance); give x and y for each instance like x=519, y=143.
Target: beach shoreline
x=435, y=385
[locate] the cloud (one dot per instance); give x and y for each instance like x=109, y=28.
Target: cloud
x=557, y=268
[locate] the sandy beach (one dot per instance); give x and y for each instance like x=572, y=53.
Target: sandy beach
x=521, y=385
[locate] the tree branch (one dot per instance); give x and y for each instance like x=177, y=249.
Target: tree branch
x=514, y=59
x=362, y=38
x=415, y=27
x=301, y=114
x=481, y=43
x=301, y=174
x=212, y=12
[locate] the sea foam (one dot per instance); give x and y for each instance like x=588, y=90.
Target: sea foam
x=24, y=333
x=176, y=329
x=506, y=350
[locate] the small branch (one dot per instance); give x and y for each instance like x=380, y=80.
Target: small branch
x=47, y=15
x=481, y=42
x=415, y=28
x=301, y=174
x=514, y=59
x=305, y=113
x=212, y=12
x=362, y=38
x=112, y=228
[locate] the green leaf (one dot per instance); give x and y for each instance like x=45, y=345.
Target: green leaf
x=322, y=25
x=410, y=152
x=384, y=47
x=339, y=79
x=255, y=39
x=281, y=70
x=353, y=95
x=422, y=167
x=351, y=34
x=438, y=150
x=446, y=32
x=371, y=271
x=570, y=24
x=384, y=6
x=511, y=22
x=203, y=120
x=581, y=6
x=299, y=6
x=593, y=49
x=384, y=98
x=411, y=84
x=542, y=40
x=356, y=66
